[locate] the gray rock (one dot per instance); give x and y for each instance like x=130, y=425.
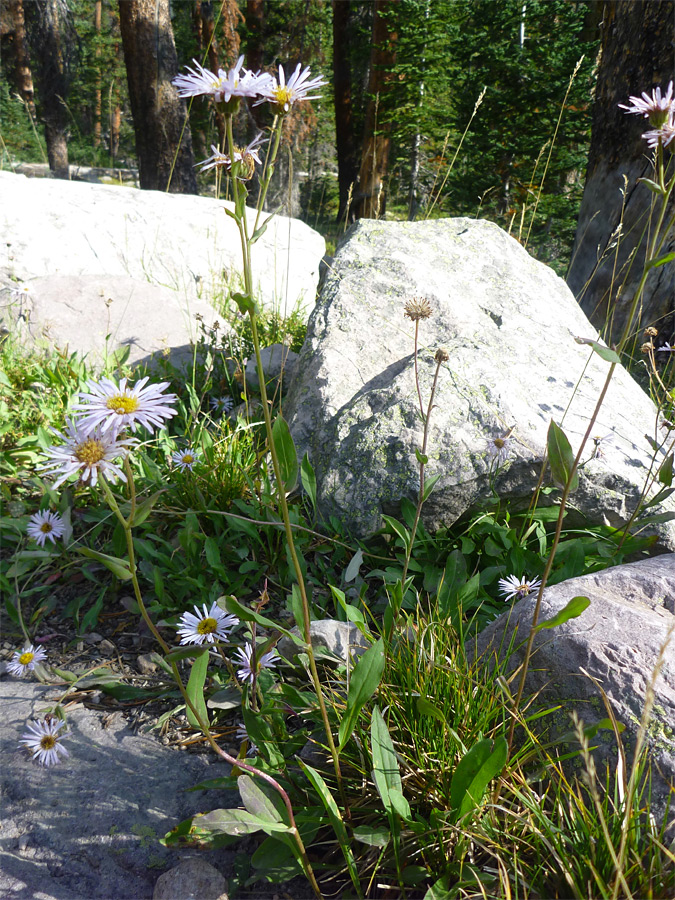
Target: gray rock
x=145, y=663
x=89, y=827
x=193, y=879
x=339, y=639
x=276, y=359
x=618, y=641
x=184, y=245
x=508, y=323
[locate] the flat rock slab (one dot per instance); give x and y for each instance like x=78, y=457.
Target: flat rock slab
x=88, y=828
x=618, y=641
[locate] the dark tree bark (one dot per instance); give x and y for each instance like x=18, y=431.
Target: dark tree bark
x=346, y=143
x=52, y=41
x=370, y=199
x=22, y=71
x=160, y=119
x=97, y=83
x=636, y=55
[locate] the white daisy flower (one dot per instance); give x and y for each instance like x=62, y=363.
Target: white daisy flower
x=212, y=625
x=514, y=587
x=242, y=735
x=25, y=660
x=87, y=454
x=654, y=108
x=116, y=407
x=185, y=459
x=666, y=348
x=237, y=82
x=663, y=135
x=222, y=405
x=42, y=739
x=250, y=665
x=283, y=94
x=45, y=524
x=20, y=291
x=498, y=449
x=248, y=157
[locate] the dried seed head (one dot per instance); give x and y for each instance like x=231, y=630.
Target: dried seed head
x=648, y=347
x=442, y=355
x=417, y=308
x=651, y=331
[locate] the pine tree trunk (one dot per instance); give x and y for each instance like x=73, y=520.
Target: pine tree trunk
x=346, y=144
x=370, y=199
x=636, y=55
x=163, y=140
x=22, y=72
x=97, y=83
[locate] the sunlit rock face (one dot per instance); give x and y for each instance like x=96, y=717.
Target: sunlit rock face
x=508, y=324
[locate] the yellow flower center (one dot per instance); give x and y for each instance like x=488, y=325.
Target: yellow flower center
x=283, y=96
x=499, y=443
x=26, y=658
x=188, y=459
x=90, y=452
x=46, y=527
x=48, y=742
x=207, y=626
x=122, y=404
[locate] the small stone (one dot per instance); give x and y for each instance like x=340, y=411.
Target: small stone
x=193, y=879
x=23, y=843
x=146, y=664
x=93, y=638
x=107, y=646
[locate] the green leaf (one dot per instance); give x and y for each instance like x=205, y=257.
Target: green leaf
x=195, y=690
x=666, y=471
x=440, y=890
x=386, y=772
x=144, y=509
x=336, y=821
x=429, y=485
x=365, y=680
x=421, y=458
x=232, y=605
x=308, y=480
x=399, y=529
x=372, y=835
x=571, y=610
x=188, y=652
x=653, y=186
x=245, y=303
x=610, y=356
x=237, y=821
x=654, y=263
x=426, y=708
x=256, y=800
x=286, y=455
x=352, y=569
x=119, y=567
x=560, y=457
x=226, y=698
x=474, y=772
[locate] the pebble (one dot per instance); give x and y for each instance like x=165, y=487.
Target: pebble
x=23, y=843
x=93, y=638
x=107, y=646
x=145, y=664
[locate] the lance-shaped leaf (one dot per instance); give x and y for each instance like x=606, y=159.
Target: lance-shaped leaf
x=386, y=772
x=308, y=480
x=195, y=690
x=560, y=457
x=119, y=567
x=237, y=821
x=571, y=610
x=364, y=682
x=610, y=356
x=286, y=455
x=474, y=772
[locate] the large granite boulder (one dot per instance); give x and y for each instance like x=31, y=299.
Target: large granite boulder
x=508, y=324
x=184, y=249
x=617, y=640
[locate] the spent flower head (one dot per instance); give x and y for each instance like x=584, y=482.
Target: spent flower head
x=111, y=406
x=185, y=459
x=417, y=308
x=656, y=107
x=208, y=626
x=87, y=454
x=25, y=660
x=283, y=94
x=513, y=587
x=45, y=524
x=43, y=740
x=235, y=83
x=251, y=663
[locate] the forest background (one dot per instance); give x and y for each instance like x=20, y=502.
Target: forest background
x=396, y=133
